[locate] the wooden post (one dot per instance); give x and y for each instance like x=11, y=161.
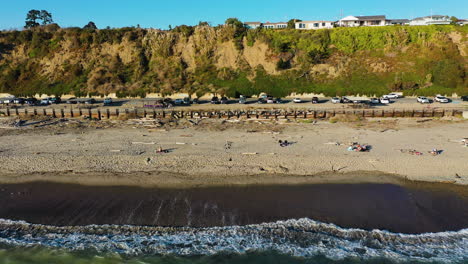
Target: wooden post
x=62, y=113
x=35, y=112
x=53, y=113
x=295, y=114
x=89, y=113
x=99, y=114
x=108, y=113
x=71, y=112
x=16, y=112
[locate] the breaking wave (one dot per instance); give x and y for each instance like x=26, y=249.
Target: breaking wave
x=302, y=238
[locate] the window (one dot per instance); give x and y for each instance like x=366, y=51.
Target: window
x=323, y=24
x=316, y=25
x=302, y=25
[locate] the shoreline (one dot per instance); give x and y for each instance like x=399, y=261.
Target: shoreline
x=168, y=180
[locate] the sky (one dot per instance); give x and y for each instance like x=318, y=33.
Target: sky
x=162, y=13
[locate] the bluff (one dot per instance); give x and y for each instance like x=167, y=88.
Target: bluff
x=419, y=60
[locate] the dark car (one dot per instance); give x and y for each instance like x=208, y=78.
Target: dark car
x=195, y=101
x=55, y=100
x=187, y=101
x=261, y=101
x=345, y=100
x=315, y=100
x=215, y=100
x=224, y=100
x=72, y=100
x=464, y=98
x=31, y=101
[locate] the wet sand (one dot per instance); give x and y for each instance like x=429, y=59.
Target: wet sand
x=408, y=208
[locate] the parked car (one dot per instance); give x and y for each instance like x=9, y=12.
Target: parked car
x=108, y=101
x=385, y=100
x=315, y=100
x=297, y=100
x=345, y=100
x=31, y=101
x=224, y=100
x=187, y=101
x=464, y=98
x=374, y=100
x=270, y=100
x=261, y=101
x=391, y=96
x=336, y=100
x=215, y=100
x=9, y=100
x=178, y=101
x=423, y=100
x=196, y=101
x=90, y=101
x=441, y=99
x=55, y=100
x=72, y=100
x=242, y=100
x=46, y=101
x=18, y=101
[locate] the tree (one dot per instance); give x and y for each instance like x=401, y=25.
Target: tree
x=90, y=25
x=454, y=20
x=234, y=22
x=292, y=23
x=203, y=24
x=34, y=15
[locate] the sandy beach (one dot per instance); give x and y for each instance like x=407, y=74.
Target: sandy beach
x=216, y=152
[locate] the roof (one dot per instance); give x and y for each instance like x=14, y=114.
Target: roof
x=433, y=16
x=253, y=23
x=315, y=21
x=277, y=23
x=371, y=17
x=400, y=20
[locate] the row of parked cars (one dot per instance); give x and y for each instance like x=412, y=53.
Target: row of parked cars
x=51, y=100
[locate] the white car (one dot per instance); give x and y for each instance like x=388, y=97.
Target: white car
x=391, y=96
x=423, y=100
x=336, y=100
x=385, y=100
x=297, y=100
x=441, y=99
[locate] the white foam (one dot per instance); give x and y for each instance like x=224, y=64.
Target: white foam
x=302, y=237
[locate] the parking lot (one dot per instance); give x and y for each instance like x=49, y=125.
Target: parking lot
x=231, y=103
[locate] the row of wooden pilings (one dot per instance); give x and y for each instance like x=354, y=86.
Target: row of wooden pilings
x=108, y=113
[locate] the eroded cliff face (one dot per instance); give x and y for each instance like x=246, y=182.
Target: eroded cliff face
x=133, y=61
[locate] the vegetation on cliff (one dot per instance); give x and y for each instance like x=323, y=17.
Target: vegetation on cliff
x=232, y=60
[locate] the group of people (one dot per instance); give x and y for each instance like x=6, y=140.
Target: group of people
x=358, y=147
x=284, y=143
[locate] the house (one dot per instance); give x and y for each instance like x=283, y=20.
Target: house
x=363, y=21
x=307, y=25
x=462, y=22
x=253, y=25
x=278, y=25
x=431, y=20
x=400, y=22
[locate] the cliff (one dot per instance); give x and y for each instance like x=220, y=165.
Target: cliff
x=132, y=61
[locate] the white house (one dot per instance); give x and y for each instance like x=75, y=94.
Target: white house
x=462, y=22
x=253, y=25
x=278, y=25
x=307, y=25
x=363, y=21
x=431, y=20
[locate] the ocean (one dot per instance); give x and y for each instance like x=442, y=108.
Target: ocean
x=325, y=223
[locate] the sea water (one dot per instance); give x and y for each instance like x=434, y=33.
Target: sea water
x=419, y=225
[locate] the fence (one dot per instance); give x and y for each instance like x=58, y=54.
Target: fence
x=235, y=114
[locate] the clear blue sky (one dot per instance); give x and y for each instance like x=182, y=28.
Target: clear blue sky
x=161, y=13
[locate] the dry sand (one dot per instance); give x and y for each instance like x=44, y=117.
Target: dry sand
x=228, y=153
